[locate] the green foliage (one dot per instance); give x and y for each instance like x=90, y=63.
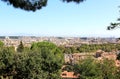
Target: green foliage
x=91, y=69
x=69, y=68
x=28, y=66
x=52, y=58
x=1, y=44
x=91, y=48
x=26, y=49
x=88, y=69
x=44, y=61
x=20, y=47
x=118, y=73
x=6, y=62
x=113, y=26
x=28, y=5
x=108, y=69
x=33, y=5
x=118, y=46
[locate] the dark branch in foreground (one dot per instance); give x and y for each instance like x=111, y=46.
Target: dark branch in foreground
x=113, y=26
x=77, y=1
x=28, y=5
x=32, y=5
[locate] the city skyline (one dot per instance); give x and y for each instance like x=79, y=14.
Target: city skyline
x=87, y=19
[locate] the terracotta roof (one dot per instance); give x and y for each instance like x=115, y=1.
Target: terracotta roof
x=66, y=74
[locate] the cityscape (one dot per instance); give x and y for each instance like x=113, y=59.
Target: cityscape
x=59, y=39
x=72, y=58
x=65, y=41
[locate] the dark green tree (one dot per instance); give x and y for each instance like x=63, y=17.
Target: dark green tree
x=33, y=5
x=20, y=47
x=43, y=61
x=94, y=69
x=52, y=58
x=88, y=69
x=114, y=25
x=108, y=69
x=7, y=69
x=28, y=66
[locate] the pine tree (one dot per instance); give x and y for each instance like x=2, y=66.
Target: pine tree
x=33, y=5
x=20, y=47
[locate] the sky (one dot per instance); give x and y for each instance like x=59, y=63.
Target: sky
x=87, y=19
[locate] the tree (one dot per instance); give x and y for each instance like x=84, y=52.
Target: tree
x=52, y=58
x=43, y=62
x=20, y=47
x=92, y=69
x=114, y=25
x=88, y=69
x=1, y=44
x=108, y=69
x=7, y=68
x=28, y=66
x=33, y=5
x=21, y=65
